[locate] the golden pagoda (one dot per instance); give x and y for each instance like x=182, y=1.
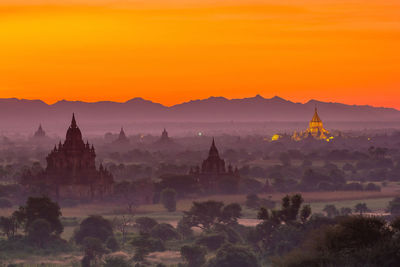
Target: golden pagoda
x=316, y=128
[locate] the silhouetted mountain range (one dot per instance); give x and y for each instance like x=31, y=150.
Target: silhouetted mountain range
x=32, y=112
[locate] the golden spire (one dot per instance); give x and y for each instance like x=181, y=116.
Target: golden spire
x=316, y=118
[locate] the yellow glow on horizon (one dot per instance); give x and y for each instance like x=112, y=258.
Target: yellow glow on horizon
x=275, y=137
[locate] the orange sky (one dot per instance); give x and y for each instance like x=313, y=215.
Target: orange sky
x=173, y=51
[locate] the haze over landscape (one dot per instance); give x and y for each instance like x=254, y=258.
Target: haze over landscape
x=143, y=116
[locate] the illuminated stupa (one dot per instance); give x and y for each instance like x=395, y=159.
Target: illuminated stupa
x=316, y=128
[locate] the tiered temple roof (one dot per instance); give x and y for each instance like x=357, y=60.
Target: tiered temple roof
x=213, y=164
x=72, y=164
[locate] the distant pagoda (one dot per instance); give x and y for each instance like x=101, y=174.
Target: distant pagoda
x=122, y=138
x=315, y=130
x=164, y=139
x=40, y=133
x=164, y=136
x=71, y=172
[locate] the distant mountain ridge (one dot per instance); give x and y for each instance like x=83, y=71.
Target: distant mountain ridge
x=32, y=112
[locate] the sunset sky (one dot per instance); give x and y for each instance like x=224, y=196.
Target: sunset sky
x=173, y=51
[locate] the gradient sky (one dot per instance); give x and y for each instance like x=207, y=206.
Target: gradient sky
x=173, y=51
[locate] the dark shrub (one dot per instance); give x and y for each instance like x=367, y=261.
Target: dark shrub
x=372, y=187
x=145, y=224
x=234, y=256
x=144, y=244
x=164, y=232
x=230, y=232
x=194, y=255
x=39, y=232
x=168, y=199
x=116, y=261
x=112, y=244
x=394, y=206
x=211, y=241
x=94, y=226
x=41, y=208
x=184, y=229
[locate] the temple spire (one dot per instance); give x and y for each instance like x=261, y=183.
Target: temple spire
x=39, y=132
x=73, y=122
x=213, y=149
x=316, y=118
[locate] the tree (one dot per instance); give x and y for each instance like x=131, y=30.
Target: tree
x=168, y=199
x=353, y=241
x=127, y=192
x=39, y=232
x=291, y=207
x=164, y=231
x=331, y=211
x=395, y=224
x=112, y=244
x=209, y=213
x=184, y=228
x=345, y=211
x=212, y=241
x=204, y=214
x=9, y=226
x=40, y=208
x=377, y=153
x=122, y=224
x=194, y=255
x=280, y=230
x=361, y=208
x=94, y=250
x=231, y=213
x=305, y=213
x=144, y=244
x=145, y=224
x=394, y=206
x=94, y=226
x=372, y=187
x=234, y=256
x=116, y=261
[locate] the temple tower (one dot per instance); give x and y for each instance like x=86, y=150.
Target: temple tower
x=71, y=168
x=213, y=164
x=40, y=133
x=122, y=138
